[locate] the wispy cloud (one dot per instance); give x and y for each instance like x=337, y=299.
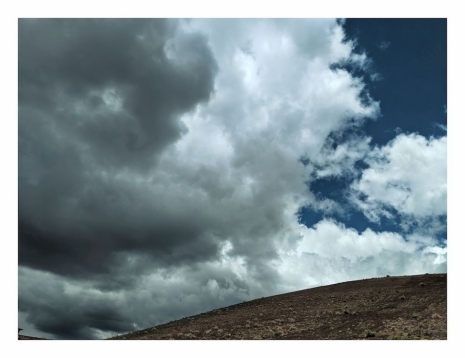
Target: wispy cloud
x=383, y=45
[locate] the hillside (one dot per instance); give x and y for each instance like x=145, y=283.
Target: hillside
x=405, y=307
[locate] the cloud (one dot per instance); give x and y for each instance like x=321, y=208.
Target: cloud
x=338, y=157
x=408, y=175
x=330, y=252
x=111, y=89
x=441, y=126
x=98, y=102
x=160, y=170
x=68, y=310
x=383, y=45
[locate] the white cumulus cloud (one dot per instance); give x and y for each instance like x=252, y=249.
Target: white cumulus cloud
x=409, y=174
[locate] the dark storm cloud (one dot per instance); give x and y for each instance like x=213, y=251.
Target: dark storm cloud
x=117, y=86
x=102, y=97
x=77, y=309
x=54, y=310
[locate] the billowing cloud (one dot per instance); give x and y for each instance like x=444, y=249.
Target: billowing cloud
x=161, y=170
x=409, y=175
x=112, y=90
x=330, y=252
x=99, y=101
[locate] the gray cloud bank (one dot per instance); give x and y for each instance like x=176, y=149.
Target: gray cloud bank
x=98, y=99
x=159, y=171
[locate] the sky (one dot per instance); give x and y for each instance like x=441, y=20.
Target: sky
x=168, y=167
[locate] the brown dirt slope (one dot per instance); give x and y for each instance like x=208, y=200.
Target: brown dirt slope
x=405, y=307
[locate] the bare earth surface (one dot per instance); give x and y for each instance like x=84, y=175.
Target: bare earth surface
x=405, y=307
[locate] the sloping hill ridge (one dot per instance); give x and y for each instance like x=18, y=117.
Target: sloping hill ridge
x=404, y=307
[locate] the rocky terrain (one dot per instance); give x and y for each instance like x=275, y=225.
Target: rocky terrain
x=405, y=307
